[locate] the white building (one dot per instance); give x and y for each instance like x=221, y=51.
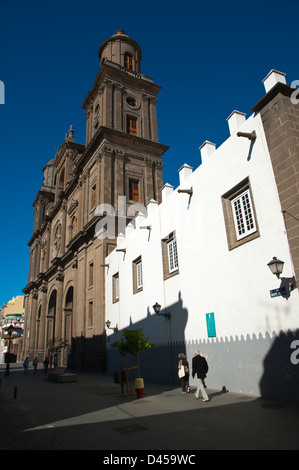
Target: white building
x=202, y=254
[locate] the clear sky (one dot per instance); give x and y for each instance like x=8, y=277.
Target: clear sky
x=209, y=57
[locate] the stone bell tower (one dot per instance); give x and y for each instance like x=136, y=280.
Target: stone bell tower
x=121, y=159
x=121, y=122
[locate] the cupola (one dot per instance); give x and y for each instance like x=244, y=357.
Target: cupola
x=122, y=50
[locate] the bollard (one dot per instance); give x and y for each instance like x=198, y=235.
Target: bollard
x=139, y=387
x=15, y=393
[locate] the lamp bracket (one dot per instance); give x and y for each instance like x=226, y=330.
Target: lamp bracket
x=166, y=315
x=187, y=191
x=248, y=135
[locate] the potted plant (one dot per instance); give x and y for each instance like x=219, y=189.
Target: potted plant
x=133, y=342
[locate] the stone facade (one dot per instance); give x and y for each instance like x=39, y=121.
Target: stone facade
x=118, y=171
x=280, y=120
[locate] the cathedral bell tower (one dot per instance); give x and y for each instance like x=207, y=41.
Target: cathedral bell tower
x=121, y=125
x=120, y=167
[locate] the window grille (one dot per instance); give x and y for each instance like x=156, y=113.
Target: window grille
x=243, y=215
x=172, y=256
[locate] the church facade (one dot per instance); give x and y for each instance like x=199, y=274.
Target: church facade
x=118, y=170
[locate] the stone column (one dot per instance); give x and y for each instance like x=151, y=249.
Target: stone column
x=41, y=346
x=108, y=103
x=26, y=325
x=145, y=115
x=32, y=332
x=118, y=124
x=59, y=306
x=153, y=118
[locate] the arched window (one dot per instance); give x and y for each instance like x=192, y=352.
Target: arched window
x=129, y=61
x=51, y=316
x=69, y=298
x=68, y=311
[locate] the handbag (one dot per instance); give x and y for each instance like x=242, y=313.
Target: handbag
x=182, y=372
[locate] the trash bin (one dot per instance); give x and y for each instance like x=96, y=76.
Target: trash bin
x=139, y=387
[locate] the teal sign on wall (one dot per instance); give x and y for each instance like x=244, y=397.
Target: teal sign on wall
x=211, y=327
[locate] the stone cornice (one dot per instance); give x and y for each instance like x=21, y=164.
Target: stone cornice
x=118, y=74
x=278, y=88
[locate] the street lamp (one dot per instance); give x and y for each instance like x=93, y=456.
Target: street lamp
x=287, y=283
x=108, y=324
x=10, y=331
x=157, y=310
x=276, y=266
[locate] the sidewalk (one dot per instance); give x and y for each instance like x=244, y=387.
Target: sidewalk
x=92, y=414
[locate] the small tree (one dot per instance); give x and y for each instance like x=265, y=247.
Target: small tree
x=132, y=342
x=56, y=345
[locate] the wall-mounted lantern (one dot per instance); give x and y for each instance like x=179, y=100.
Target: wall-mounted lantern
x=287, y=283
x=108, y=324
x=157, y=310
x=276, y=266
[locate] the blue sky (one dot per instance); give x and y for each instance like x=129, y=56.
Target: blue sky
x=209, y=58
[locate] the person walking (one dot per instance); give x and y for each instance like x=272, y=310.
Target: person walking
x=46, y=364
x=183, y=373
x=199, y=372
x=26, y=365
x=35, y=362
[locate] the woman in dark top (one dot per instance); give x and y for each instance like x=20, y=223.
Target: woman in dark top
x=183, y=372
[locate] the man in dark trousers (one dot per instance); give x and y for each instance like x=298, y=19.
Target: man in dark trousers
x=199, y=371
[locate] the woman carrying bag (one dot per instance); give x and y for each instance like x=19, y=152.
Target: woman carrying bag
x=183, y=373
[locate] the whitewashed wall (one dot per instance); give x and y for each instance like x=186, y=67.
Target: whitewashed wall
x=233, y=284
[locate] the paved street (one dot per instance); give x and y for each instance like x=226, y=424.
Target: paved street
x=92, y=414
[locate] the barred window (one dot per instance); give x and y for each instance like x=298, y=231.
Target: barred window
x=240, y=215
x=243, y=215
x=172, y=256
x=139, y=275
